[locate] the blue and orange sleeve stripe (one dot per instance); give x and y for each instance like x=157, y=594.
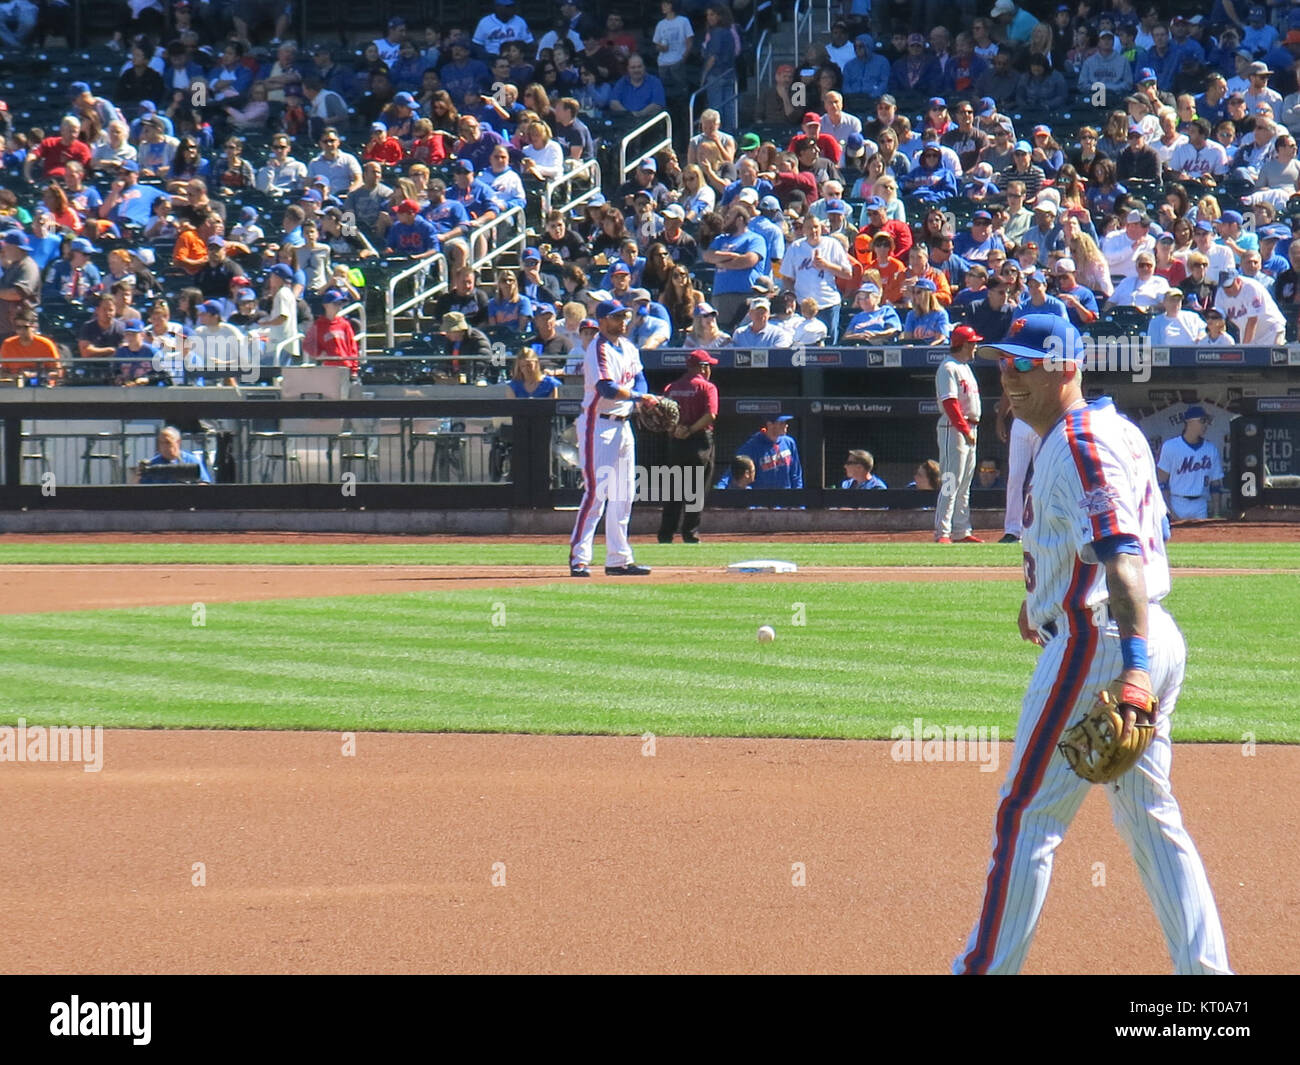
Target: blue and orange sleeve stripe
x=1087, y=462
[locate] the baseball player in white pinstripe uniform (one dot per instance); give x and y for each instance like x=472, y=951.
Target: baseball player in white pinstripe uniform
x=614, y=384
x=1094, y=529
x=1189, y=467
x=959, y=396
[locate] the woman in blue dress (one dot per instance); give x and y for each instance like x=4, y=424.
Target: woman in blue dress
x=528, y=381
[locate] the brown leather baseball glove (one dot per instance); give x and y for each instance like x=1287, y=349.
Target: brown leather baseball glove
x=1092, y=745
x=661, y=418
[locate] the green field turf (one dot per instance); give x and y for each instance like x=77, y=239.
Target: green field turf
x=433, y=552
x=617, y=657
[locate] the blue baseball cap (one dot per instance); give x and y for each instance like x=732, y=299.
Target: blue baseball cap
x=216, y=241
x=150, y=106
x=1231, y=216
x=18, y=239
x=701, y=309
x=869, y=286
x=77, y=88
x=544, y=308
x=1205, y=226
x=133, y=326
x=1227, y=277
x=981, y=216
x=1024, y=146
x=835, y=207
x=248, y=214
x=648, y=164
x=210, y=307
x=283, y=271
x=310, y=196
x=1146, y=74
x=1275, y=233
x=875, y=204
x=405, y=99
x=1040, y=337
x=244, y=295
x=619, y=268
x=463, y=165
x=608, y=308
x=924, y=284
x=532, y=255
x=1195, y=411
x=768, y=203
x=84, y=246
x=130, y=166
x=334, y=296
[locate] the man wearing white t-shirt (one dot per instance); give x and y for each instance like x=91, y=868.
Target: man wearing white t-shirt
x=810, y=269
x=673, y=38
x=1176, y=327
x=1199, y=155
x=1219, y=256
x=1247, y=305
x=281, y=323
x=1122, y=247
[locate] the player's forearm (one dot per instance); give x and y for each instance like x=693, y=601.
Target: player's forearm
x=1127, y=588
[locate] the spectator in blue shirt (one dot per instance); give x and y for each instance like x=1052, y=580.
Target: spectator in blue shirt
x=1037, y=301
x=867, y=73
x=475, y=143
x=637, y=93
x=509, y=309
x=915, y=74
x=411, y=235
x=229, y=81
x=718, y=75
x=975, y=244
x=738, y=256
x=871, y=323
x=859, y=466
x=464, y=73
x=930, y=181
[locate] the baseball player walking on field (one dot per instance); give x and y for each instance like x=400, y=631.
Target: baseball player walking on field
x=1190, y=467
x=1094, y=530
x=1021, y=442
x=959, y=396
x=614, y=384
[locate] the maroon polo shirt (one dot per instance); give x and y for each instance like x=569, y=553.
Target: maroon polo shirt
x=695, y=395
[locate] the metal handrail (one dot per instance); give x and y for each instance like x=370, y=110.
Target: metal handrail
x=762, y=64
x=359, y=308
x=515, y=217
x=278, y=350
x=624, y=167
x=391, y=311
x=802, y=20
x=589, y=169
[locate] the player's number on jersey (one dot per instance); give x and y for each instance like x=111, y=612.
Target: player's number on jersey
x=1031, y=575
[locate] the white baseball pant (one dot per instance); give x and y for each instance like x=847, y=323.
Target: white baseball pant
x=607, y=451
x=1041, y=795
x=957, y=464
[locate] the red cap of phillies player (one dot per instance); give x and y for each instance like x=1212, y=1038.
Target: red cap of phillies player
x=964, y=334
x=700, y=355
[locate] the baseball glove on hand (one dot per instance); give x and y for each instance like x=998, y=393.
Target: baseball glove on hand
x=661, y=418
x=1092, y=744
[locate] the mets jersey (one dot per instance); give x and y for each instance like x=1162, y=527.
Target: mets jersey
x=956, y=380
x=609, y=360
x=1191, y=467
x=1093, y=477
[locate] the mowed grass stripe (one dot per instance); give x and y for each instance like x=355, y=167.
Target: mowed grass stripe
x=434, y=552
x=623, y=659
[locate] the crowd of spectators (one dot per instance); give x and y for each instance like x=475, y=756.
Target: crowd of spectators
x=891, y=186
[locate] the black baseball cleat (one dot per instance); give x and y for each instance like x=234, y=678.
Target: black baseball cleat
x=630, y=570
x=1009, y=538
x=577, y=569
x=690, y=538
x=667, y=539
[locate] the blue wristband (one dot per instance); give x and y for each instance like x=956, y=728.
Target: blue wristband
x=1134, y=649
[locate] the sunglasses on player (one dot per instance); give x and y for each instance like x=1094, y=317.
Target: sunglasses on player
x=1006, y=362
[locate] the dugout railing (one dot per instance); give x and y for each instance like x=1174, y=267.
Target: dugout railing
x=405, y=454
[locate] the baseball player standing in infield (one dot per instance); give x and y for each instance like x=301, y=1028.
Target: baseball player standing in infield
x=1189, y=467
x=613, y=385
x=959, y=395
x=1095, y=572
x=1021, y=442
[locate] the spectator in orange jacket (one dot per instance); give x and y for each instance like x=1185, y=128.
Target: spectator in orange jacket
x=888, y=269
x=331, y=340
x=381, y=147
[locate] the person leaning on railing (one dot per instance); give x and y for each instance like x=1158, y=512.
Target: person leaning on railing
x=29, y=354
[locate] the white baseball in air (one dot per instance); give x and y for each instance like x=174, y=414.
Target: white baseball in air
x=766, y=634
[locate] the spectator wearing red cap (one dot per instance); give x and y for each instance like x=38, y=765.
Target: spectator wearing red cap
x=381, y=148
x=959, y=396
x=691, y=447
x=411, y=235
x=811, y=131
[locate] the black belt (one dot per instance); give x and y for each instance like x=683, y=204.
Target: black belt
x=1048, y=627
x=614, y=417
x=1191, y=497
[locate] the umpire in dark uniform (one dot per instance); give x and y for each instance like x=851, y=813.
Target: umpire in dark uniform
x=691, y=446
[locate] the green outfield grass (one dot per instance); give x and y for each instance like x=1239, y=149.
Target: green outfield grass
x=596, y=657
x=434, y=552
